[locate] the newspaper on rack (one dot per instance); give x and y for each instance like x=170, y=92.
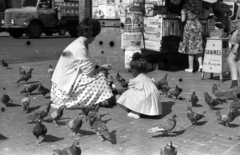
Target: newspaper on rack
x=131, y=39
x=156, y=2
x=153, y=32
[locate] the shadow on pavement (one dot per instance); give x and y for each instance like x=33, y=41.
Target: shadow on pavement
x=201, y=123
x=51, y=138
x=167, y=107
x=86, y=132
x=232, y=125
x=172, y=134
x=2, y=137
x=31, y=109
x=13, y=105
x=113, y=136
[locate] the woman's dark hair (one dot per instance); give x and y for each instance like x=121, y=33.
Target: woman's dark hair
x=194, y=6
x=138, y=63
x=89, y=27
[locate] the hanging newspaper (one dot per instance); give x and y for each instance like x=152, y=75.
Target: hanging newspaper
x=153, y=32
x=132, y=39
x=156, y=2
x=106, y=9
x=132, y=22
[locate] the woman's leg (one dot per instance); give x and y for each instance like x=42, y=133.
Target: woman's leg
x=232, y=65
x=199, y=58
x=190, y=63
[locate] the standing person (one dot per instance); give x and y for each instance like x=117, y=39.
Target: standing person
x=75, y=81
x=223, y=13
x=234, y=56
x=142, y=97
x=192, y=43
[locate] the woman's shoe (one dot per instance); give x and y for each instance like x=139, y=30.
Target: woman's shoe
x=133, y=115
x=200, y=69
x=189, y=70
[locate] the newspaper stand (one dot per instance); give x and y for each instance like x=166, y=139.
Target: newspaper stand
x=215, y=57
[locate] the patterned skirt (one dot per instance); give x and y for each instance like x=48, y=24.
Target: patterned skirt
x=89, y=90
x=192, y=42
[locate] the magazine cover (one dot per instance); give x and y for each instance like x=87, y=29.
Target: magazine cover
x=111, y=2
x=95, y=12
x=149, y=9
x=102, y=2
x=102, y=11
x=95, y=2
x=110, y=11
x=131, y=39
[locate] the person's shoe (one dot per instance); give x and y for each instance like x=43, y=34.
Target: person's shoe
x=200, y=69
x=133, y=115
x=189, y=70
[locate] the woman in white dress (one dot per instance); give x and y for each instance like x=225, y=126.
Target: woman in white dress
x=142, y=97
x=76, y=81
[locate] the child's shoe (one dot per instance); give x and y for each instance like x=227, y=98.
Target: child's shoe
x=133, y=115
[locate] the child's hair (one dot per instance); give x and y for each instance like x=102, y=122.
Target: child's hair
x=138, y=63
x=89, y=27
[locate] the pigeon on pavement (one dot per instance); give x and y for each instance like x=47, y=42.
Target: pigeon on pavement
x=75, y=124
x=56, y=115
x=4, y=64
x=174, y=92
x=169, y=149
x=5, y=98
x=21, y=71
x=29, y=89
x=42, y=90
x=193, y=99
x=50, y=70
x=226, y=118
x=166, y=127
x=122, y=81
x=26, y=76
x=193, y=116
x=39, y=130
x=225, y=94
x=210, y=101
x=40, y=114
x=25, y=103
x=74, y=149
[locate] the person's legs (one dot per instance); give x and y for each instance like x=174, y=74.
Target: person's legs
x=232, y=65
x=190, y=63
x=199, y=58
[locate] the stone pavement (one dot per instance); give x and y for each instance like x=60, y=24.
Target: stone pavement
x=131, y=136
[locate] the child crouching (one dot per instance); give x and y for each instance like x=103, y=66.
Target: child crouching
x=142, y=97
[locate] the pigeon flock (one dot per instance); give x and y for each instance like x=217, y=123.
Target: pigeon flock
x=90, y=114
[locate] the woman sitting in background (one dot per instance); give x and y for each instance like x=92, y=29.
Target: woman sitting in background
x=142, y=97
x=76, y=81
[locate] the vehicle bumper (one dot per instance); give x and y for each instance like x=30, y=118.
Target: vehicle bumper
x=13, y=27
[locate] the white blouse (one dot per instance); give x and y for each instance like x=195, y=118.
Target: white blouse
x=74, y=60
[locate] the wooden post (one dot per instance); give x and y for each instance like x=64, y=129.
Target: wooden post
x=85, y=7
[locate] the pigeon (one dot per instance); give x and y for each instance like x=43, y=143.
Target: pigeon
x=40, y=114
x=26, y=76
x=174, y=92
x=162, y=81
x=4, y=63
x=225, y=94
x=98, y=126
x=2, y=108
x=193, y=99
x=42, y=90
x=21, y=71
x=75, y=124
x=74, y=149
x=169, y=149
x=50, y=70
x=210, y=101
x=5, y=98
x=25, y=103
x=166, y=127
x=39, y=130
x=56, y=115
x=88, y=108
x=235, y=105
x=193, y=116
x=122, y=81
x=29, y=89
x=226, y=118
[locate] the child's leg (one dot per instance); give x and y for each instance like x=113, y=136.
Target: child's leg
x=199, y=58
x=232, y=65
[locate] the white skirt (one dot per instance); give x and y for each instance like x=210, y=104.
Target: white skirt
x=89, y=90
